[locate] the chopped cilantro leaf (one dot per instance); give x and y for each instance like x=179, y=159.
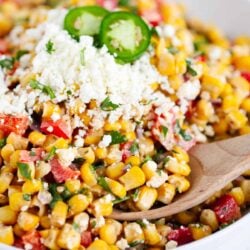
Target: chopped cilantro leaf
x=7, y=63
x=164, y=131
x=55, y=195
x=2, y=142
x=117, y=138
x=134, y=148
x=34, y=84
x=24, y=170
x=51, y=154
x=76, y=226
x=93, y=223
x=103, y=183
x=190, y=70
x=21, y=53
x=135, y=243
x=107, y=105
x=50, y=47
x=119, y=200
x=135, y=194
x=27, y=197
x=147, y=158
x=182, y=132
x=141, y=223
x=172, y=50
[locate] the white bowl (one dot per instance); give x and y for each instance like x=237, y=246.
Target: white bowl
x=233, y=17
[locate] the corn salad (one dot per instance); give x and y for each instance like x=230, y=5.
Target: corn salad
x=72, y=150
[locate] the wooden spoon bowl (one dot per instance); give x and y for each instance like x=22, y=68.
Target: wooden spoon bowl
x=213, y=166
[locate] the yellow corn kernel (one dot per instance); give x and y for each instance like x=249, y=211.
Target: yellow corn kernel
x=245, y=186
x=186, y=217
x=31, y=187
x=238, y=195
x=86, y=119
x=149, y=169
x=78, y=203
x=88, y=174
x=5, y=180
x=7, y=216
x=50, y=240
x=204, y=110
x=116, y=126
x=69, y=238
x=146, y=198
x=154, y=86
x=87, y=154
x=18, y=231
x=130, y=135
x=166, y=64
x=116, y=188
x=118, y=226
x=114, y=155
x=152, y=237
x=220, y=127
x=208, y=217
x=242, y=63
x=133, y=232
x=17, y=141
x=200, y=231
x=108, y=233
x=241, y=86
x=102, y=206
x=37, y=138
x=180, y=182
x=5, y=24
x=246, y=104
x=98, y=244
x=247, y=173
x=45, y=222
x=59, y=214
x=212, y=85
x=133, y=178
x=42, y=169
x=180, y=62
x=73, y=186
x=146, y=146
x=3, y=199
x=27, y=221
x=6, y=235
x=180, y=154
x=113, y=247
x=175, y=167
x=30, y=168
x=230, y=102
x=115, y=170
x=52, y=141
x=236, y=119
x=17, y=201
x=49, y=109
x=228, y=90
x=133, y=160
x=7, y=151
x=14, y=158
x=101, y=153
x=166, y=193
x=92, y=139
x=82, y=220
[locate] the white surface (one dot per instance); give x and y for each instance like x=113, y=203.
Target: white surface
x=233, y=17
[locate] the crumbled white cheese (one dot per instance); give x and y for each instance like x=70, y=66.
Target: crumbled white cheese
x=122, y=244
x=157, y=180
x=215, y=53
x=189, y=90
x=82, y=220
x=171, y=245
x=44, y=197
x=66, y=156
x=105, y=142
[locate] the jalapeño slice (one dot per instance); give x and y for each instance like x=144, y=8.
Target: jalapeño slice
x=125, y=34
x=86, y=20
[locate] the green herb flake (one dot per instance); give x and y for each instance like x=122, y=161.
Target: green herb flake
x=119, y=200
x=50, y=47
x=166, y=160
x=93, y=224
x=108, y=105
x=7, y=63
x=134, y=148
x=55, y=195
x=135, y=243
x=69, y=92
x=117, y=138
x=182, y=132
x=190, y=69
x=141, y=223
x=51, y=154
x=24, y=170
x=32, y=153
x=172, y=50
x=147, y=158
x=135, y=194
x=76, y=226
x=21, y=53
x=164, y=131
x=2, y=142
x=27, y=197
x=159, y=172
x=103, y=183
x=34, y=84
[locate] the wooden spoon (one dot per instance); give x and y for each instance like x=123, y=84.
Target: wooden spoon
x=213, y=166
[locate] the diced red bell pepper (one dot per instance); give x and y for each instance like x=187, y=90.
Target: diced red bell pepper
x=34, y=239
x=31, y=156
x=125, y=148
x=61, y=173
x=108, y=4
x=246, y=75
x=153, y=17
x=226, y=209
x=60, y=128
x=16, y=124
x=182, y=235
x=86, y=238
x=3, y=46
